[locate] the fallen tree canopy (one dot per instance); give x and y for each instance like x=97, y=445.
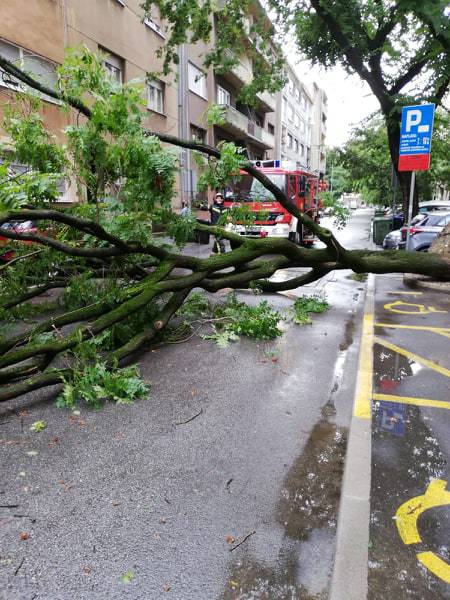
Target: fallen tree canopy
x=119, y=286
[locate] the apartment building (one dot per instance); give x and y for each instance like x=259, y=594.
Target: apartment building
x=294, y=111
x=35, y=34
x=252, y=128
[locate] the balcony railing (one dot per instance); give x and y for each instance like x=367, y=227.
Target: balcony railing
x=240, y=125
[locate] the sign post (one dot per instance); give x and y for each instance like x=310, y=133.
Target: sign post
x=415, y=147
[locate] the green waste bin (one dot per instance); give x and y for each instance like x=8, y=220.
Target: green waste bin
x=381, y=226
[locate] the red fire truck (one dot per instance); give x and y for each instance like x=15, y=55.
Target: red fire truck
x=270, y=218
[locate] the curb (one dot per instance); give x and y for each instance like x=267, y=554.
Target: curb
x=350, y=570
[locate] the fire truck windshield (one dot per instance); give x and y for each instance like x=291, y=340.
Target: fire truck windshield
x=249, y=189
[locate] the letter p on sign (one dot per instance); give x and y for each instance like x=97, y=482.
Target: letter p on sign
x=413, y=118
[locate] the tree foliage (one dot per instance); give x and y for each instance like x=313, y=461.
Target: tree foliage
x=364, y=163
x=117, y=285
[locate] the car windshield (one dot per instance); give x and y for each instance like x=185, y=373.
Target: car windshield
x=249, y=189
x=438, y=220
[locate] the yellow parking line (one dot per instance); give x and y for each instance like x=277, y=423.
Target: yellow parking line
x=414, y=401
x=445, y=331
x=424, y=327
x=362, y=406
x=435, y=564
x=406, y=293
x=412, y=356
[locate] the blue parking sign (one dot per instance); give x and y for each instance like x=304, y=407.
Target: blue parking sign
x=391, y=417
x=415, y=137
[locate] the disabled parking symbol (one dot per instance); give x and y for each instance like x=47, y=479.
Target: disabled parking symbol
x=407, y=516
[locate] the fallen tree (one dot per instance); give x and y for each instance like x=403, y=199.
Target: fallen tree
x=119, y=286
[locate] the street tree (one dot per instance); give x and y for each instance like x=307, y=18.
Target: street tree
x=121, y=286
x=366, y=162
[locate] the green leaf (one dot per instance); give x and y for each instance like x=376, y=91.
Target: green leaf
x=38, y=426
x=128, y=576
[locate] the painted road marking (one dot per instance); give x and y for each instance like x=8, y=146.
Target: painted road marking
x=363, y=397
x=414, y=401
x=405, y=293
x=412, y=356
x=407, y=516
x=445, y=331
x=435, y=564
x=421, y=308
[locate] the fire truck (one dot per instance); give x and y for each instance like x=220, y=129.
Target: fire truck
x=270, y=218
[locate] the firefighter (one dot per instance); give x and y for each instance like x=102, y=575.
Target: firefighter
x=216, y=211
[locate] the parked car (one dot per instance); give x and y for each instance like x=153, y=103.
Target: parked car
x=424, y=208
x=394, y=238
x=424, y=232
x=7, y=245
x=433, y=205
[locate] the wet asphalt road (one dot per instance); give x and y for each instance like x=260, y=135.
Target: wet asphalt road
x=409, y=555
x=148, y=491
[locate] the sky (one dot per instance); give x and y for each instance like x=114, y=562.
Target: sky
x=349, y=99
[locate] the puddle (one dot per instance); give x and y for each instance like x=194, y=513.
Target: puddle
x=311, y=491
x=249, y=580
x=307, y=512
x=348, y=334
x=390, y=368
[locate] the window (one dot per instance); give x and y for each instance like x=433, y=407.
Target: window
x=271, y=128
x=198, y=134
x=291, y=85
x=284, y=109
x=302, y=148
x=290, y=140
x=297, y=120
x=153, y=21
x=296, y=146
x=155, y=96
x=197, y=80
x=114, y=65
x=39, y=68
x=223, y=96
x=290, y=112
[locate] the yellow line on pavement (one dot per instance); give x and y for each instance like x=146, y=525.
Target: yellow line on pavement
x=406, y=293
x=362, y=406
x=424, y=327
x=413, y=401
x=445, y=331
x=435, y=564
x=412, y=356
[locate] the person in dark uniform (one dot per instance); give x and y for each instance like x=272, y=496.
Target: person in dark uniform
x=216, y=210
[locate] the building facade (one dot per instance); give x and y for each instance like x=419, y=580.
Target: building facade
x=318, y=158
x=35, y=34
x=294, y=112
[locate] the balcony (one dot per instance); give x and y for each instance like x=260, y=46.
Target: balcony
x=268, y=101
x=241, y=127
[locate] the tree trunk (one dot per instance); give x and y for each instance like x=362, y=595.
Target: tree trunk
x=404, y=177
